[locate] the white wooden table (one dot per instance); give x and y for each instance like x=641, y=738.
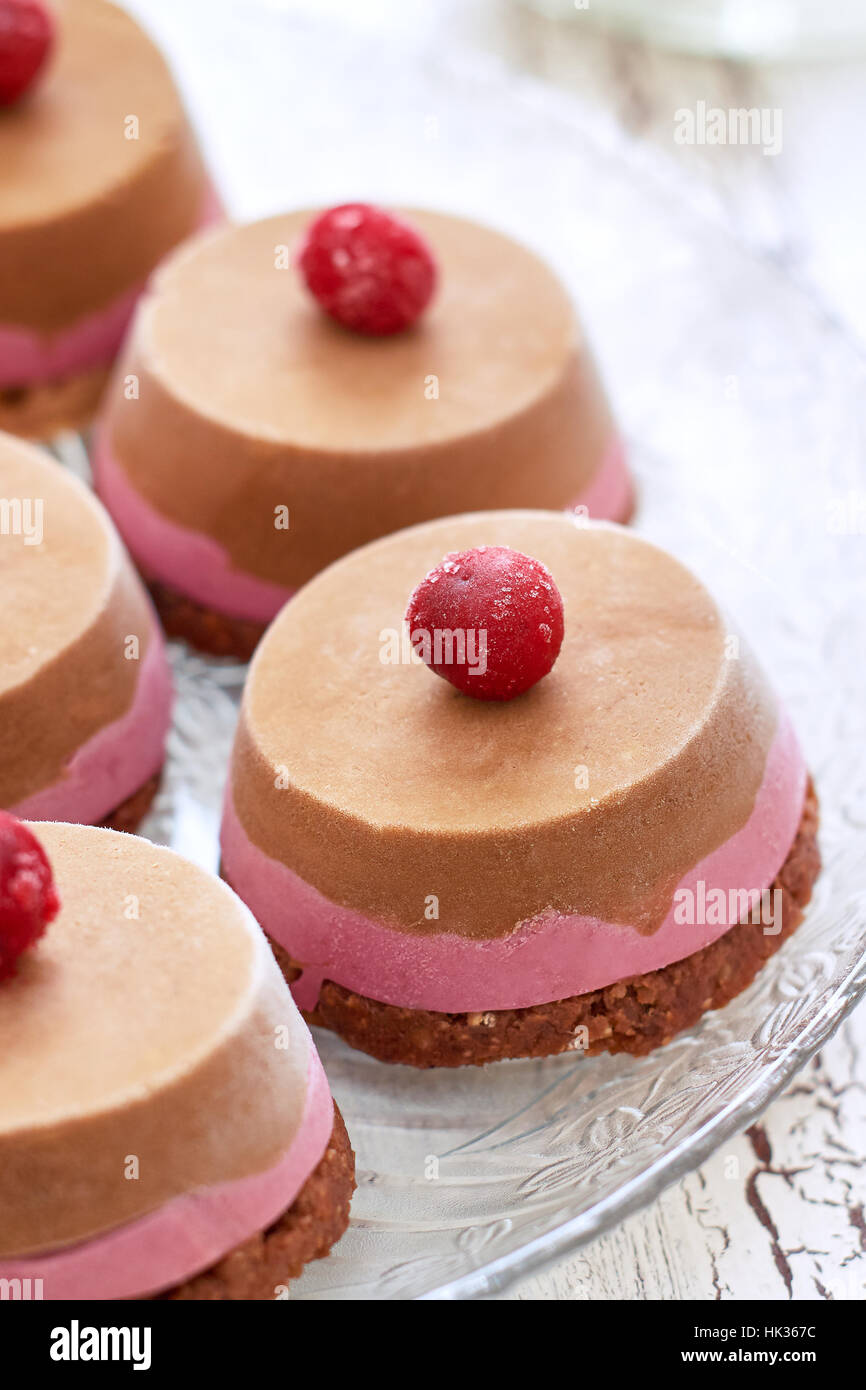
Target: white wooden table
x=780, y=1212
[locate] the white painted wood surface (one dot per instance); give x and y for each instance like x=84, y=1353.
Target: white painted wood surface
x=779, y=1213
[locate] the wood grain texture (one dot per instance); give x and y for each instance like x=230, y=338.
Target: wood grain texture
x=779, y=1214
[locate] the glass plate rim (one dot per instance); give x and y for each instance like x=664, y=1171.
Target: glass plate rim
x=497, y=1276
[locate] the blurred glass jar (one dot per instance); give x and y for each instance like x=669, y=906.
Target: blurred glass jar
x=768, y=29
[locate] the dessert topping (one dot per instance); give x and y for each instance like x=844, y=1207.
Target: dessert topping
x=26, y=39
x=489, y=620
x=28, y=897
x=369, y=270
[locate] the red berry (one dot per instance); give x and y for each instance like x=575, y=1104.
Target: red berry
x=498, y=616
x=368, y=270
x=28, y=898
x=26, y=39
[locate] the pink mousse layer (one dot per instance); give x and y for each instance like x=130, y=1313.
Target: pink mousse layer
x=119, y=759
x=28, y=358
x=550, y=957
x=196, y=565
x=610, y=494
x=189, y=1233
x=186, y=560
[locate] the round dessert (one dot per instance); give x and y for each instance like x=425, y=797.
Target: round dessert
x=263, y=439
x=101, y=177
x=166, y=1128
x=85, y=689
x=590, y=865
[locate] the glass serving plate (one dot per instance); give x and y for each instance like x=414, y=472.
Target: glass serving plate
x=742, y=404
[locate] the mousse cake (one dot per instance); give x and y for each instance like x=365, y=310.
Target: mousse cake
x=85, y=689
x=101, y=177
x=166, y=1128
x=609, y=841
x=265, y=438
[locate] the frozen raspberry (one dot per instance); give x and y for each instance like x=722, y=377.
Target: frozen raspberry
x=368, y=270
x=26, y=39
x=28, y=898
x=488, y=620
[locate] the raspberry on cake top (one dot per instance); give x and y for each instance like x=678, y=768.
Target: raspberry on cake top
x=431, y=851
x=162, y=1105
x=101, y=177
x=267, y=439
x=85, y=690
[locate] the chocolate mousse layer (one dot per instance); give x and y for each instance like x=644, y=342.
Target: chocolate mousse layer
x=146, y=1015
x=594, y=793
x=633, y=1015
x=101, y=175
x=75, y=622
x=253, y=407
